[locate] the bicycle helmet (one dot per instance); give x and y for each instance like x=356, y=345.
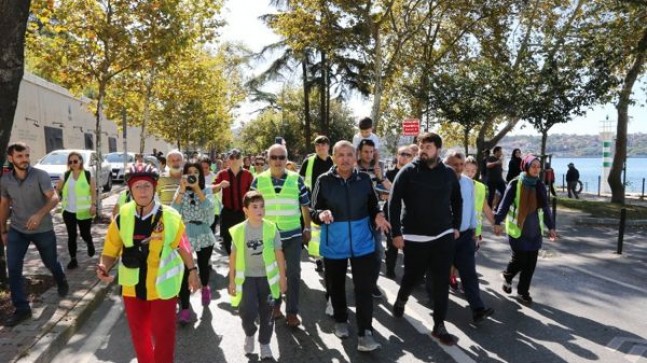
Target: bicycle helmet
x=138, y=172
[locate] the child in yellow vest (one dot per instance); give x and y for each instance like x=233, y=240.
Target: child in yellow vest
x=256, y=272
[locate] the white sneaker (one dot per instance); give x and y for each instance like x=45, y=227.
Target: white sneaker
x=367, y=343
x=341, y=330
x=266, y=352
x=329, y=310
x=249, y=345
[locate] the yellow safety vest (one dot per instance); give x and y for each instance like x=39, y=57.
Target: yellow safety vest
x=311, y=165
x=313, y=245
x=511, y=227
x=171, y=267
x=269, y=259
x=82, y=195
x=284, y=208
x=123, y=198
x=479, y=199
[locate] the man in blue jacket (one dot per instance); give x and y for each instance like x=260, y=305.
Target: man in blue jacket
x=428, y=225
x=344, y=203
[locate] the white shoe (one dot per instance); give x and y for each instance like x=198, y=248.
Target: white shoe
x=266, y=352
x=341, y=330
x=249, y=345
x=367, y=343
x=329, y=310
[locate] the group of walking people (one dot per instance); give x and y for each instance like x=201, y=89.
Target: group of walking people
x=162, y=235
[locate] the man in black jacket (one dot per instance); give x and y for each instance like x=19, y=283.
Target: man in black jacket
x=572, y=178
x=428, y=226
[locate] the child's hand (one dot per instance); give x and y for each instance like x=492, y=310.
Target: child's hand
x=232, y=288
x=283, y=284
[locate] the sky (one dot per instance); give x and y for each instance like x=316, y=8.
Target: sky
x=243, y=25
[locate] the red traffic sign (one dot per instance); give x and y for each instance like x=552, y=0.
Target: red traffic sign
x=411, y=127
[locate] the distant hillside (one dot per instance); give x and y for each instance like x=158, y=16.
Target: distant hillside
x=564, y=145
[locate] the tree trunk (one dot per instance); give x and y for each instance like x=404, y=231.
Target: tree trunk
x=482, y=144
x=322, y=94
x=97, y=167
x=13, y=24
x=544, y=140
x=378, y=80
x=466, y=139
x=306, y=102
x=624, y=99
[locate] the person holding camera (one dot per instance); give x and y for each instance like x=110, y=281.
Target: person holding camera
x=197, y=213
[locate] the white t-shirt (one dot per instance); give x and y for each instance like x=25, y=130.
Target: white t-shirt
x=71, y=195
x=358, y=138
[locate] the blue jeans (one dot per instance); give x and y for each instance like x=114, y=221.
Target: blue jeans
x=17, y=245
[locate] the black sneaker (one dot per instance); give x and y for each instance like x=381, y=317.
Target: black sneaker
x=18, y=317
x=507, y=285
x=319, y=267
x=442, y=335
x=524, y=299
x=91, y=250
x=377, y=294
x=63, y=289
x=398, y=309
x=73, y=264
x=480, y=314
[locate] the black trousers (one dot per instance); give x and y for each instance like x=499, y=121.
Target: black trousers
x=204, y=270
x=435, y=258
x=84, y=227
x=391, y=254
x=228, y=219
x=493, y=187
x=363, y=270
x=524, y=262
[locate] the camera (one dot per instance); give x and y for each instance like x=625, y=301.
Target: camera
x=191, y=179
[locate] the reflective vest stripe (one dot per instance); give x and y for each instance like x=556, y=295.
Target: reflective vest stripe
x=283, y=208
x=269, y=259
x=313, y=245
x=82, y=195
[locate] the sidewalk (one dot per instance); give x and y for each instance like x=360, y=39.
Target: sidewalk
x=54, y=319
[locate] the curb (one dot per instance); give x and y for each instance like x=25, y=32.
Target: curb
x=57, y=332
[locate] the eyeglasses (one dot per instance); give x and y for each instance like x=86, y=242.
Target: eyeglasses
x=278, y=157
x=405, y=155
x=259, y=164
x=70, y=162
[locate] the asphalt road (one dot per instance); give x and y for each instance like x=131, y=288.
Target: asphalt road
x=589, y=307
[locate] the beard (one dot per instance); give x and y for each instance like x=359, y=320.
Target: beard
x=22, y=166
x=429, y=161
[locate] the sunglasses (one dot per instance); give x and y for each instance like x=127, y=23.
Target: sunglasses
x=70, y=162
x=278, y=157
x=405, y=155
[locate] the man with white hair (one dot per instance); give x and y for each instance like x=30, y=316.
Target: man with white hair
x=465, y=244
x=286, y=200
x=169, y=181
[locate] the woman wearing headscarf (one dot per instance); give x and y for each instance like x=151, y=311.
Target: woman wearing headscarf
x=525, y=211
x=514, y=165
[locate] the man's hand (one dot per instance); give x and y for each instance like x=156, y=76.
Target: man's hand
x=381, y=223
x=224, y=184
x=34, y=221
x=326, y=217
x=498, y=229
x=457, y=234
x=232, y=288
x=398, y=242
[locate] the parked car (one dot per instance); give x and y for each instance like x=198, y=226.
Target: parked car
x=55, y=164
x=116, y=161
x=154, y=161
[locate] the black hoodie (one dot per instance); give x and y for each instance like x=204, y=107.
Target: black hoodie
x=428, y=201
